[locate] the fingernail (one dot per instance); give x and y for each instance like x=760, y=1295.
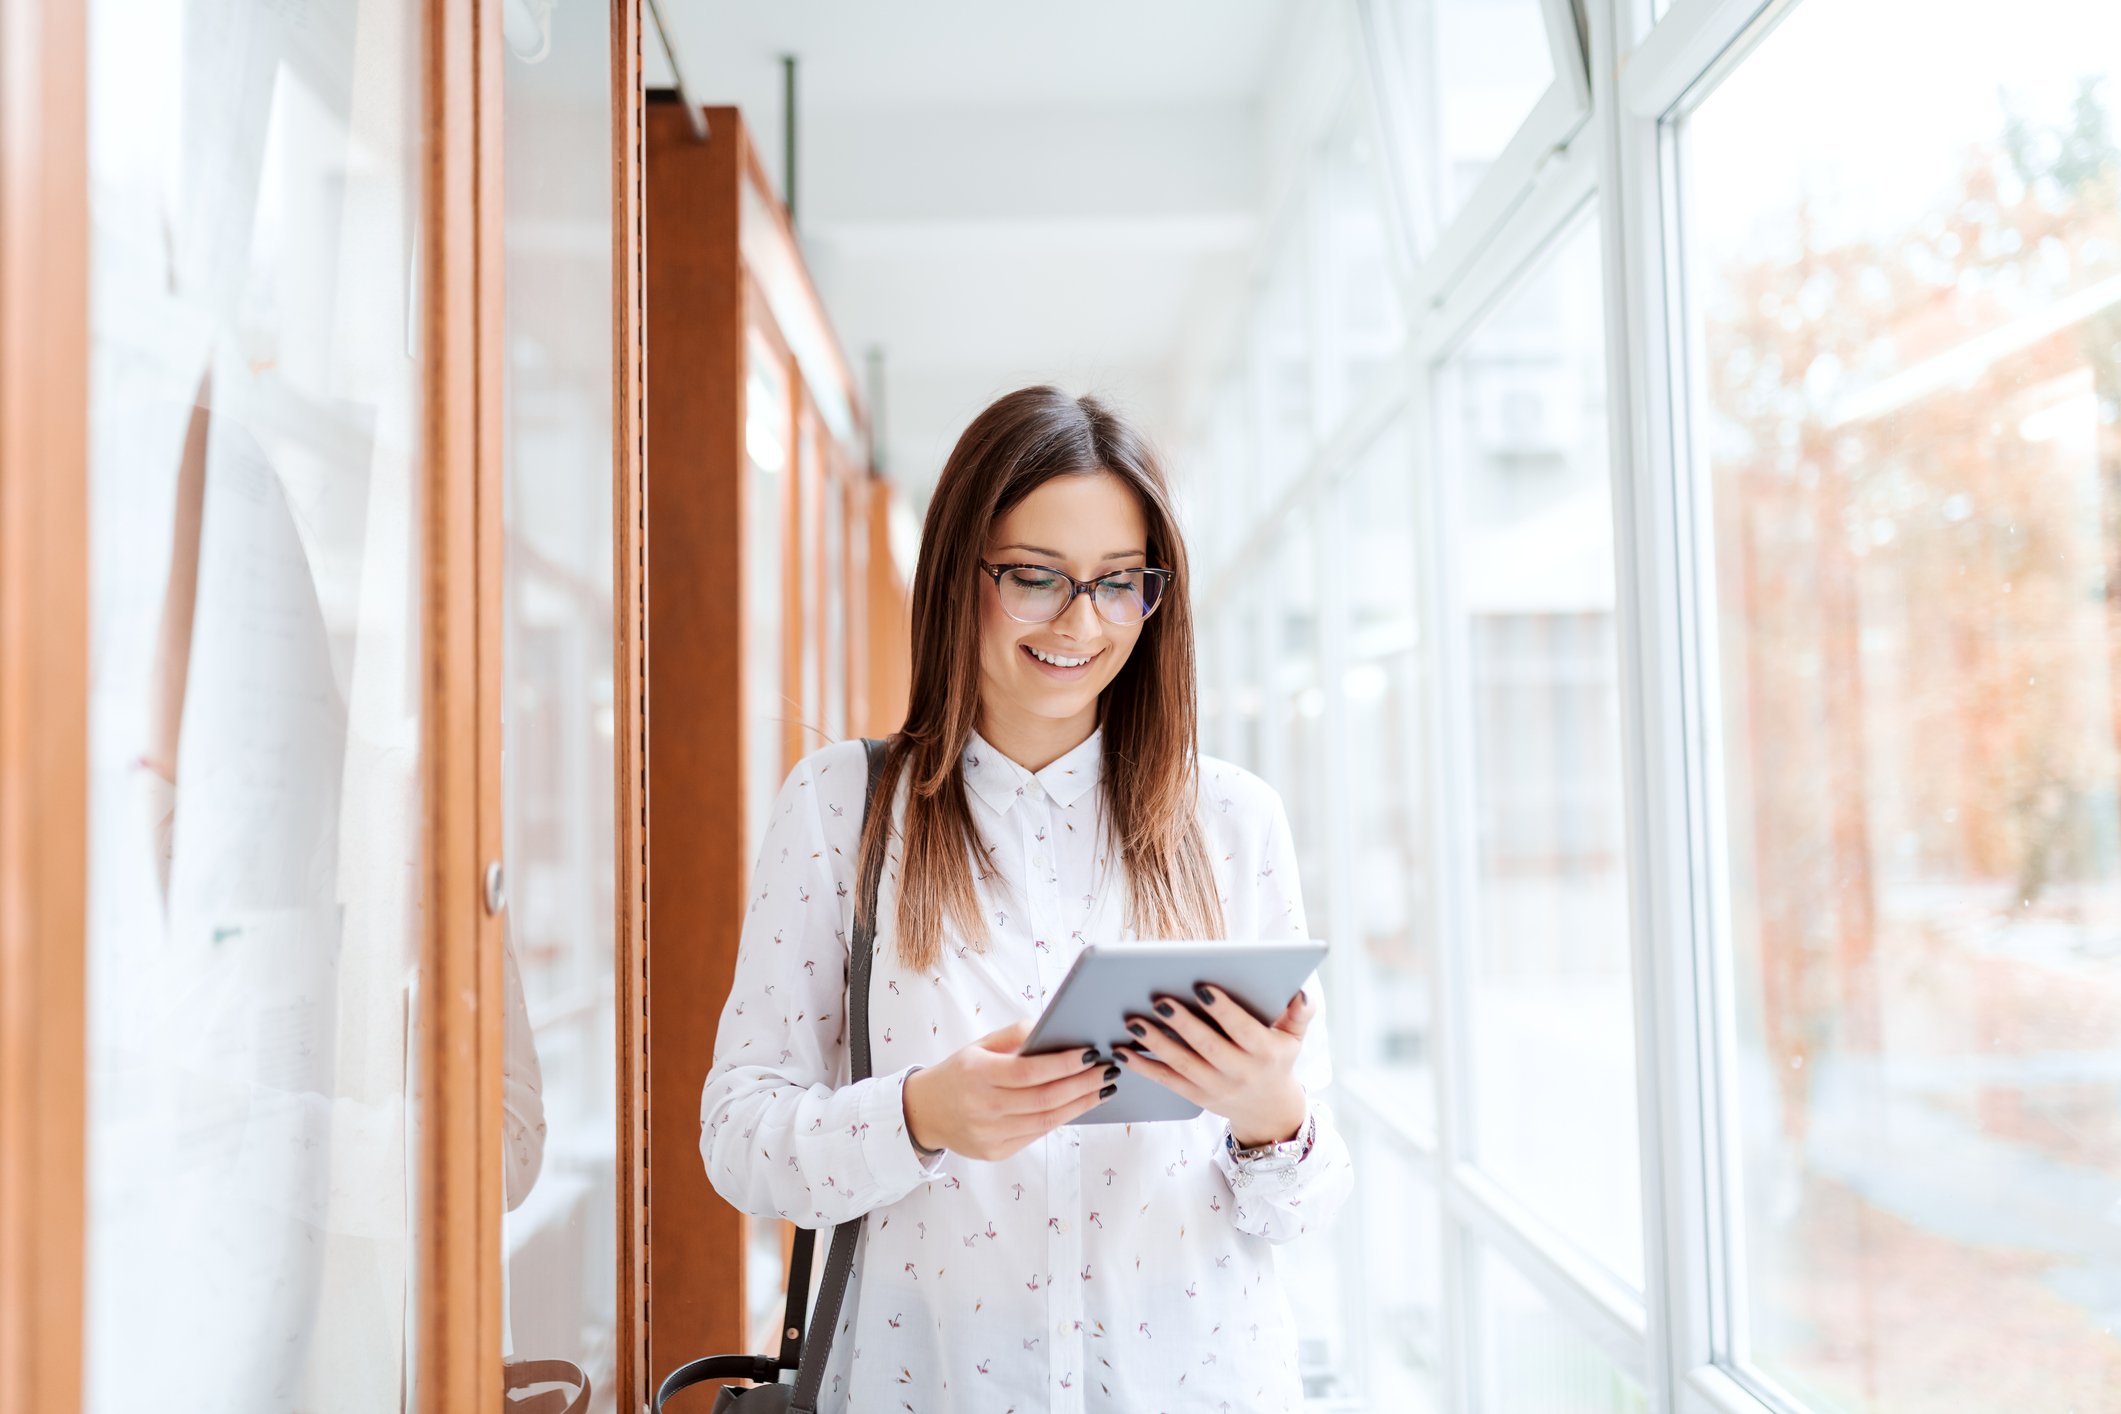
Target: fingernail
x=1200, y=989
x=1302, y=996
x=1137, y=1028
x=1111, y=1072
x=1122, y=1057
x=1164, y=1009
x=1107, y=1092
x=1090, y=1056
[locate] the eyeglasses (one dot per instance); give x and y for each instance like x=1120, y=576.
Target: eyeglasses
x=1037, y=594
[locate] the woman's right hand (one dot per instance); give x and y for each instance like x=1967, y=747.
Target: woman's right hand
x=987, y=1102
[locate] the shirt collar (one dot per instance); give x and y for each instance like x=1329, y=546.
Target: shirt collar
x=998, y=781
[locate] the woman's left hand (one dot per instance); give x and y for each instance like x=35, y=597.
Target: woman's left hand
x=1225, y=1061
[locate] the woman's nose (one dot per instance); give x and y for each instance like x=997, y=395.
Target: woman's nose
x=1080, y=618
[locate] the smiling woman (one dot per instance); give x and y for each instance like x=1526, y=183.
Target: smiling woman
x=1045, y=793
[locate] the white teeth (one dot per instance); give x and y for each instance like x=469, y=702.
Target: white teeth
x=1058, y=662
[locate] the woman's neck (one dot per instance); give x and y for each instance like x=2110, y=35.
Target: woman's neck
x=1034, y=742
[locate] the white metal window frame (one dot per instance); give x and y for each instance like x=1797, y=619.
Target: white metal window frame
x=1664, y=539
x=1443, y=249
x=1681, y=1336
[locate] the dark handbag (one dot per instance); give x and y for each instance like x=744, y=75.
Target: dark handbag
x=765, y=1396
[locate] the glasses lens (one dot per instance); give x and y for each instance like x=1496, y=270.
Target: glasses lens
x=1031, y=595
x=1127, y=598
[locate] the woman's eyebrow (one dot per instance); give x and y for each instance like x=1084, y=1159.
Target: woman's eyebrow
x=1042, y=550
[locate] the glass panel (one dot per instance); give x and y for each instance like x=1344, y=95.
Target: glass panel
x=1303, y=773
x=767, y=424
x=255, y=841
x=1536, y=1360
x=810, y=580
x=1390, y=1249
x=1362, y=277
x=1282, y=403
x=766, y=706
x=835, y=561
x=1472, y=71
x=559, y=1085
x=1522, y=414
x=1385, y=1002
x=1232, y=474
x=1912, y=428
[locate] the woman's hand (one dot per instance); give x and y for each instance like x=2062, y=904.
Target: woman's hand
x=1226, y=1062
x=987, y=1102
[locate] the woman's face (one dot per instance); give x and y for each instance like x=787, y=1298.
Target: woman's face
x=1087, y=526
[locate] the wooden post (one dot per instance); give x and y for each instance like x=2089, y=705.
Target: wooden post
x=629, y=470
x=697, y=872
x=456, y=1042
x=43, y=699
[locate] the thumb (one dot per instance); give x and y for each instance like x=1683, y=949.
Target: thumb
x=1009, y=1040
x=1295, y=1018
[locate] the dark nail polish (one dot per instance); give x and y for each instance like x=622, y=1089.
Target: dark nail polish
x=1302, y=996
x=1090, y=1056
x=1164, y=1009
x=1122, y=1056
x=1111, y=1072
x=1137, y=1028
x=1107, y=1092
x=1207, y=998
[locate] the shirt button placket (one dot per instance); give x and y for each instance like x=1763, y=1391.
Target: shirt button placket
x=1064, y=1243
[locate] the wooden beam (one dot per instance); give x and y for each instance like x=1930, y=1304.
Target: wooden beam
x=698, y=738
x=456, y=1040
x=629, y=638
x=43, y=699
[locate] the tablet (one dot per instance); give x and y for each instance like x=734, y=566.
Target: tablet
x=1112, y=981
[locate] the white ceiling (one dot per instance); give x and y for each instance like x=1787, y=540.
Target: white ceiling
x=995, y=193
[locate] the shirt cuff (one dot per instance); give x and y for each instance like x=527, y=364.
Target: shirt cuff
x=1277, y=1180
x=887, y=1144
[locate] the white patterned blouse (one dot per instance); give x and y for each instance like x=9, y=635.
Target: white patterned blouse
x=1103, y=1267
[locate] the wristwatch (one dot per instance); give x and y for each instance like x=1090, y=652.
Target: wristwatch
x=1263, y=1159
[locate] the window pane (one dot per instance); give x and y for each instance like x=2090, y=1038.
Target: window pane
x=1303, y=774
x=1385, y=1007
x=1391, y=1241
x=1472, y=71
x=255, y=484
x=835, y=559
x=1535, y=1359
x=1283, y=408
x=1361, y=274
x=810, y=512
x=1912, y=423
x=559, y=1087
x=1522, y=415
x=767, y=425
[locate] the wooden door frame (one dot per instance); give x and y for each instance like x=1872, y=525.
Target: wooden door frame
x=43, y=700
x=629, y=638
x=44, y=631
x=456, y=1043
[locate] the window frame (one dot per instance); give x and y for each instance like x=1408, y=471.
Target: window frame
x=1443, y=249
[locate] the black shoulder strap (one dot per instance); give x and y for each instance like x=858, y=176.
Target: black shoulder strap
x=839, y=1262
x=809, y=1362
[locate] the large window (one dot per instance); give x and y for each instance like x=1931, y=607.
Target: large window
x=1717, y=537
x=559, y=1086
x=255, y=899
x=1905, y=257
x=1520, y=413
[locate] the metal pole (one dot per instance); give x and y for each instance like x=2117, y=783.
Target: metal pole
x=693, y=114
x=788, y=135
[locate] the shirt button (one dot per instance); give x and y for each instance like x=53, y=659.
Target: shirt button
x=1038, y=861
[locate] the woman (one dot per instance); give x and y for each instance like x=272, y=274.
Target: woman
x=1044, y=793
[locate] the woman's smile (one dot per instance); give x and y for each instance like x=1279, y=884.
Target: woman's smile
x=1066, y=667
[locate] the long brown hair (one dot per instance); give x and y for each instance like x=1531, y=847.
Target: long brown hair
x=1148, y=773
